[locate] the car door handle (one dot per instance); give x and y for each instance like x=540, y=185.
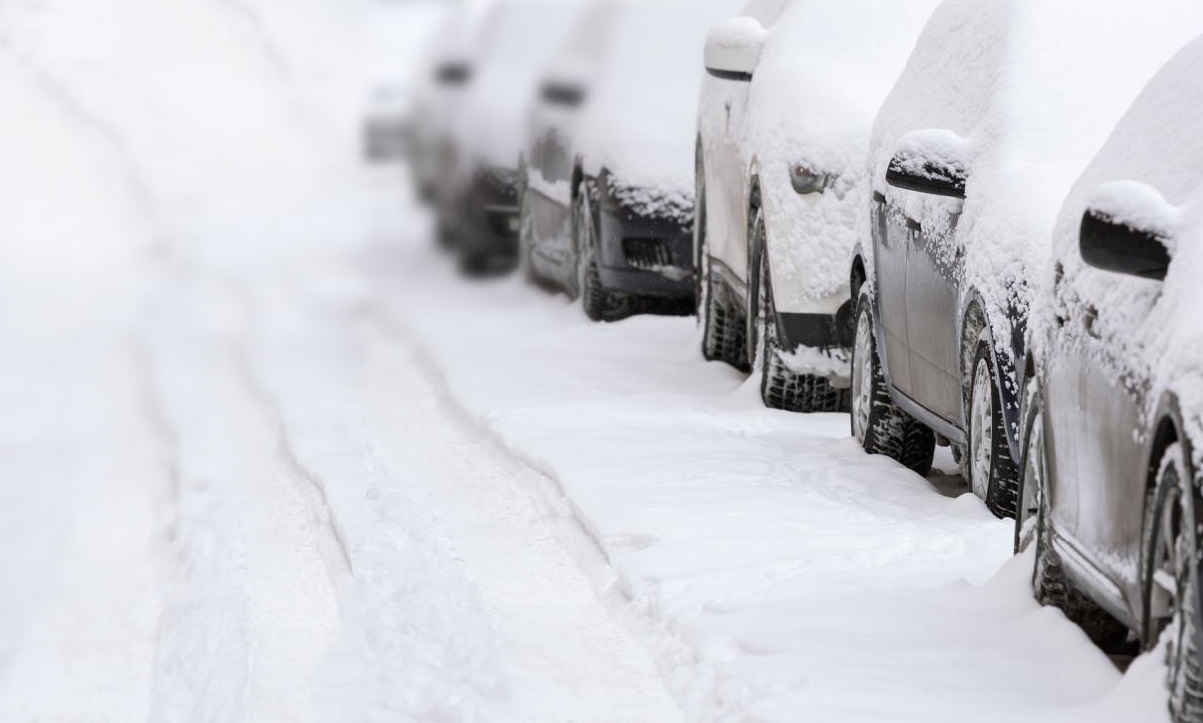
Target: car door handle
x=914, y=225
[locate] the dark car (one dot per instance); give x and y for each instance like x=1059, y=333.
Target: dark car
x=1002, y=104
x=1111, y=497
x=517, y=39
x=608, y=203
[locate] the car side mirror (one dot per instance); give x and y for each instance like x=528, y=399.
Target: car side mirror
x=453, y=73
x=933, y=176
x=930, y=161
x=733, y=48
x=1130, y=241
x=562, y=93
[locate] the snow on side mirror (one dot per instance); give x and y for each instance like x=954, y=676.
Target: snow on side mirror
x=1125, y=230
x=733, y=48
x=932, y=162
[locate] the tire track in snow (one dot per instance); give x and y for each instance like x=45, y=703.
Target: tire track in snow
x=574, y=656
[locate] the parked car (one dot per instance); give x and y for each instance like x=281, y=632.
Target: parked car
x=516, y=42
x=437, y=94
x=1001, y=106
x=609, y=198
x=1111, y=495
x=783, y=135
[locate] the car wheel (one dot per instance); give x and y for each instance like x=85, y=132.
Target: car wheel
x=781, y=387
x=526, y=242
x=600, y=303
x=723, y=329
x=1033, y=527
x=878, y=424
x=1171, y=579
x=993, y=475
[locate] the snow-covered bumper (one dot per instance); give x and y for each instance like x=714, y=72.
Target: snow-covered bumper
x=490, y=214
x=645, y=243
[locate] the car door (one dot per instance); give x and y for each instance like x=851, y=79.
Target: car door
x=726, y=174
x=1100, y=317
x=892, y=240
x=933, y=287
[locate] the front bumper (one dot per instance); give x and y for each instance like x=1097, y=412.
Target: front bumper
x=643, y=251
x=490, y=215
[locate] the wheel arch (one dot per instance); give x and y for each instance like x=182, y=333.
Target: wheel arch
x=975, y=319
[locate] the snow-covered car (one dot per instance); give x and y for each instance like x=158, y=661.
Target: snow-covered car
x=490, y=127
x=1111, y=488
x=437, y=94
x=783, y=135
x=609, y=198
x=1002, y=104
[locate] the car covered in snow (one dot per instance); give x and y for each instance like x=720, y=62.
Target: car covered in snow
x=608, y=206
x=1001, y=106
x=783, y=134
x=440, y=88
x=518, y=39
x=1111, y=493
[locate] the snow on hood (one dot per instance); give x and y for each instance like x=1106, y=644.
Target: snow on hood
x=824, y=72
x=519, y=40
x=1033, y=88
x=639, y=122
x=1148, y=175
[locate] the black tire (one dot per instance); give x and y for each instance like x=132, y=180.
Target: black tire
x=1033, y=526
x=723, y=327
x=600, y=303
x=526, y=240
x=877, y=423
x=991, y=472
x=1174, y=614
x=781, y=387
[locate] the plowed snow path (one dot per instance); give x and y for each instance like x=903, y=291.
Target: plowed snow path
x=569, y=659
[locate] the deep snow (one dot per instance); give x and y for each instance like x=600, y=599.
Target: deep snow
x=267, y=459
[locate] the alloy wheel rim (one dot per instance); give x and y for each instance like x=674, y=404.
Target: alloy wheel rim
x=862, y=380
x=1170, y=575
x=981, y=430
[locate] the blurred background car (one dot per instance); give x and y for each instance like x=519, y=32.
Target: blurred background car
x=1111, y=496
x=516, y=43
x=1001, y=106
x=610, y=195
x=436, y=98
x=386, y=126
x=783, y=136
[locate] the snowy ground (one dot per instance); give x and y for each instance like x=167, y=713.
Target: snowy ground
x=266, y=459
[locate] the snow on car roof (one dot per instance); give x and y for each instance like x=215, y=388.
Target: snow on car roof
x=1033, y=88
x=824, y=72
x=517, y=42
x=1148, y=174
x=640, y=119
